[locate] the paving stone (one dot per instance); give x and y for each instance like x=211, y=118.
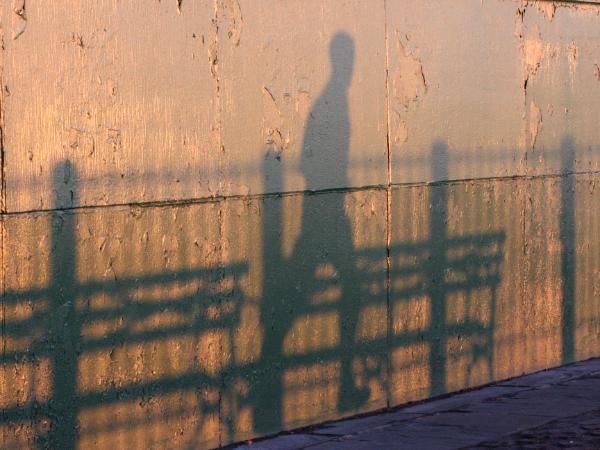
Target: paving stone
x=552, y=376
x=460, y=400
x=489, y=423
x=355, y=426
x=410, y=437
x=576, y=432
x=284, y=442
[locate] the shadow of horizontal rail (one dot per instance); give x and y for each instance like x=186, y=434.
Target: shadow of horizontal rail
x=477, y=265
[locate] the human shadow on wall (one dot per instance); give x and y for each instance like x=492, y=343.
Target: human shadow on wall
x=319, y=283
x=318, y=280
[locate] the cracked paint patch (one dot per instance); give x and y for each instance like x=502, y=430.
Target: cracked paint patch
x=573, y=56
x=548, y=8
x=533, y=49
x=401, y=133
x=20, y=10
x=274, y=140
x=232, y=14
x=409, y=82
x=535, y=122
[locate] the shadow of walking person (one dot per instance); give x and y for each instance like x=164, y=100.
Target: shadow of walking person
x=324, y=252
x=311, y=300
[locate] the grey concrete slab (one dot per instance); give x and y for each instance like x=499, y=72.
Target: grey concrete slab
x=362, y=424
x=552, y=376
x=488, y=423
x=413, y=436
x=461, y=400
x=285, y=442
x=421, y=436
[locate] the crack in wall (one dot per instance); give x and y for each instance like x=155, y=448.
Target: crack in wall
x=213, y=55
x=2, y=201
x=388, y=212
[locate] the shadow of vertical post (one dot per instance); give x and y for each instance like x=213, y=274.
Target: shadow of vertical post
x=438, y=222
x=269, y=384
x=567, y=239
x=65, y=326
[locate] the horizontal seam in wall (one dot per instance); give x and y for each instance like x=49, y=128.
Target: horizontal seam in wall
x=308, y=192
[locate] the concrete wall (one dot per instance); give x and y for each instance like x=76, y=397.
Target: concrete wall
x=222, y=219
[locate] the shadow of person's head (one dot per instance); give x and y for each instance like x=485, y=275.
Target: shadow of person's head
x=341, y=52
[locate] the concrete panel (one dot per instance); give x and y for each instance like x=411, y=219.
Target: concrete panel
x=125, y=92
x=563, y=86
x=489, y=280
x=303, y=84
x=540, y=311
x=455, y=263
x=118, y=326
x=559, y=311
x=582, y=259
x=455, y=73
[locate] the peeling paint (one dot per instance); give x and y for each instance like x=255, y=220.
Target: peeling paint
x=597, y=72
x=272, y=123
x=534, y=51
x=19, y=9
x=549, y=8
x=572, y=55
x=409, y=82
x=401, y=131
x=213, y=56
x=578, y=5
x=535, y=122
x=232, y=14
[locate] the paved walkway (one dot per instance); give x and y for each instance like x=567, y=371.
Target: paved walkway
x=554, y=409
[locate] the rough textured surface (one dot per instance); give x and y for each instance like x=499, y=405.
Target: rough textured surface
x=222, y=219
x=125, y=93
x=161, y=104
x=470, y=63
x=320, y=84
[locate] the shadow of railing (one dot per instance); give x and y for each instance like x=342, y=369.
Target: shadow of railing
x=74, y=321
x=67, y=325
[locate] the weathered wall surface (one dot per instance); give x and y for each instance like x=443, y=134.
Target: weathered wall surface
x=223, y=219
